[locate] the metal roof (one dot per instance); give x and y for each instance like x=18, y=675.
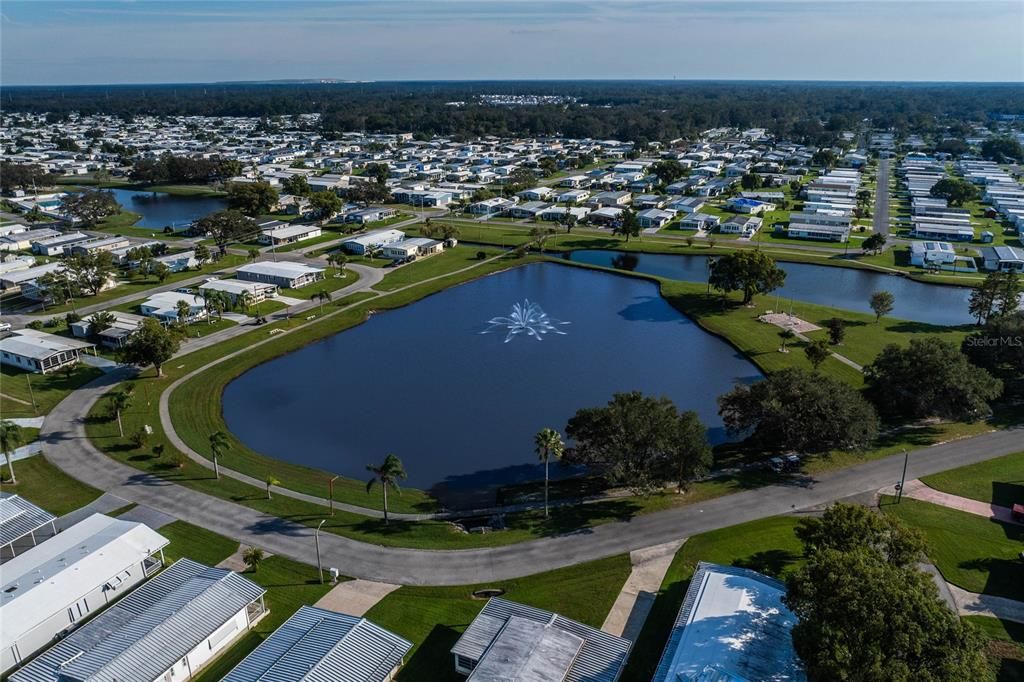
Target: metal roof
x=732, y=625
x=600, y=659
x=316, y=645
x=281, y=269
x=19, y=517
x=148, y=631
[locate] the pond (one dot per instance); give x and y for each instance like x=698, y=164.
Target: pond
x=845, y=288
x=461, y=407
x=159, y=209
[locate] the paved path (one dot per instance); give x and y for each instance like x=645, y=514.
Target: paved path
x=972, y=604
x=880, y=220
x=641, y=588
x=919, y=491
x=68, y=448
x=355, y=597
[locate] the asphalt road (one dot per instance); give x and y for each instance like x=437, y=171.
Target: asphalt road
x=66, y=446
x=880, y=223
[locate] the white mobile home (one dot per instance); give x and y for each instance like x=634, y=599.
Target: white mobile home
x=376, y=239
x=39, y=352
x=68, y=578
x=167, y=629
x=284, y=275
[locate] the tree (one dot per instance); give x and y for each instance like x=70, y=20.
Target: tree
x=640, y=441
x=667, y=171
x=547, y=444
x=786, y=335
x=882, y=303
x=817, y=352
x=955, y=191
x=11, y=438
x=296, y=185
x=162, y=271
x=183, y=311
x=1002, y=149
x=253, y=253
x=864, y=610
x=983, y=300
x=322, y=296
x=750, y=181
x=750, y=271
x=793, y=409
x=324, y=205
x=339, y=260
x=253, y=557
x=121, y=401
x=998, y=346
x=378, y=171
x=540, y=235
x=270, y=482
x=100, y=322
x=91, y=272
x=1009, y=296
x=929, y=378
x=824, y=158
x=219, y=445
x=152, y=344
x=226, y=227
x=90, y=205
x=628, y=225
x=387, y=474
x=202, y=253
x=875, y=242
x=252, y=198
x=836, y=331
x=216, y=302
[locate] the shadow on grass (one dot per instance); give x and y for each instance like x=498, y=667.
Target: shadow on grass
x=1008, y=493
x=770, y=562
x=432, y=660
x=643, y=660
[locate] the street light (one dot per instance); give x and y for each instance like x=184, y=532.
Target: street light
x=330, y=485
x=316, y=538
x=903, y=478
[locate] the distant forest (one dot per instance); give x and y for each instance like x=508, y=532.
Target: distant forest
x=637, y=110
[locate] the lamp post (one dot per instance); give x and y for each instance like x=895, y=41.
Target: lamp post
x=903, y=478
x=330, y=486
x=316, y=538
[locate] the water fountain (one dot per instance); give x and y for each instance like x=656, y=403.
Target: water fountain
x=526, y=318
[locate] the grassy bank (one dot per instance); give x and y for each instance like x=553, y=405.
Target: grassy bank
x=20, y=389
x=48, y=487
x=998, y=481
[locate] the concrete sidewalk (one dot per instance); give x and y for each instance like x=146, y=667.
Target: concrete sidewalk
x=355, y=597
x=917, y=490
x=628, y=613
x=971, y=604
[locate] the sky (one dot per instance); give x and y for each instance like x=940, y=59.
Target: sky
x=172, y=41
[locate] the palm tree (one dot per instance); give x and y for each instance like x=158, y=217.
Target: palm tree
x=547, y=444
x=388, y=474
x=322, y=295
x=219, y=444
x=339, y=260
x=252, y=557
x=271, y=482
x=11, y=438
x=184, y=310
x=216, y=302
x=786, y=335
x=121, y=401
x=254, y=254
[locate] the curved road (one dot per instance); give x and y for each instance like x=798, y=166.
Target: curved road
x=66, y=445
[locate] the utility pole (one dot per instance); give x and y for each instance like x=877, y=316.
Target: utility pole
x=316, y=538
x=903, y=478
x=31, y=395
x=330, y=485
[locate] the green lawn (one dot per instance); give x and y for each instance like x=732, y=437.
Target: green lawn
x=305, y=244
x=441, y=264
x=18, y=389
x=1005, y=648
x=47, y=486
x=998, y=481
x=768, y=546
x=433, y=618
x=975, y=553
x=330, y=283
x=196, y=543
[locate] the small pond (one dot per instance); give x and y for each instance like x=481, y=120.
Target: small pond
x=159, y=209
x=844, y=288
x=461, y=407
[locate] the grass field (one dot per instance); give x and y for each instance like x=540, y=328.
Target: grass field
x=18, y=389
x=48, y=487
x=433, y=618
x=768, y=546
x=998, y=481
x=330, y=283
x=975, y=553
x=441, y=264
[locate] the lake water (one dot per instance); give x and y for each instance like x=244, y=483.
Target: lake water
x=460, y=407
x=159, y=209
x=844, y=288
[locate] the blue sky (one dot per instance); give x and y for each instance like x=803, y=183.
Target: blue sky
x=171, y=41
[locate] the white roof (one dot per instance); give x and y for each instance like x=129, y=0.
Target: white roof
x=280, y=269
x=168, y=300
x=732, y=625
x=291, y=231
x=234, y=286
x=29, y=343
x=53, y=574
x=33, y=273
x=375, y=237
